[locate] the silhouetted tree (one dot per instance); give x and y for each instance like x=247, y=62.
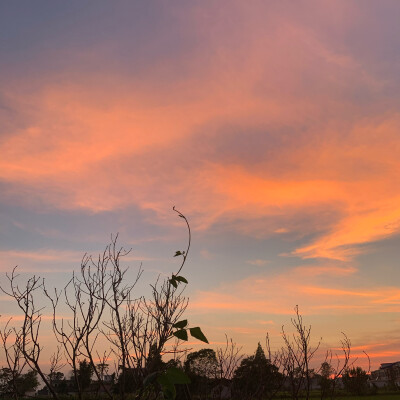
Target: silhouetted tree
x=57, y=380
x=256, y=377
x=84, y=374
x=202, y=368
x=23, y=383
x=325, y=381
x=355, y=381
x=7, y=382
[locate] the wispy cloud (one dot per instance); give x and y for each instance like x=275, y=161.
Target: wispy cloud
x=322, y=292
x=258, y=262
x=352, y=176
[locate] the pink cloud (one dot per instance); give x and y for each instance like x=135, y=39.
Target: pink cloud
x=322, y=292
x=104, y=144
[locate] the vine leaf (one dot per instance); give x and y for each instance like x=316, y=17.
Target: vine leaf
x=168, y=387
x=180, y=278
x=177, y=376
x=173, y=282
x=182, y=334
x=180, y=324
x=198, y=334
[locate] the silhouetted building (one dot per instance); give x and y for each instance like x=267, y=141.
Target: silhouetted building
x=388, y=374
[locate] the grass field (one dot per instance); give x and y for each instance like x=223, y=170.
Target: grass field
x=382, y=396
x=314, y=396
x=379, y=396
x=376, y=397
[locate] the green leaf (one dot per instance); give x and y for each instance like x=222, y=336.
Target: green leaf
x=198, y=334
x=150, y=379
x=181, y=279
x=178, y=253
x=181, y=334
x=168, y=387
x=173, y=282
x=177, y=376
x=180, y=324
x=169, y=393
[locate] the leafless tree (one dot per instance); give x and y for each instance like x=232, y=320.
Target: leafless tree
x=341, y=364
x=369, y=362
x=297, y=354
x=228, y=358
x=139, y=328
x=56, y=365
x=84, y=295
x=101, y=303
x=27, y=337
x=139, y=333
x=11, y=344
x=115, y=297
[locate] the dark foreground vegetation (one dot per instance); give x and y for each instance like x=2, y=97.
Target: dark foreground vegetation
x=117, y=345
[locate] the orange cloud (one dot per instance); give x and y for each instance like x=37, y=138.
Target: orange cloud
x=64, y=169
x=43, y=260
x=322, y=292
x=104, y=144
x=16, y=318
x=42, y=255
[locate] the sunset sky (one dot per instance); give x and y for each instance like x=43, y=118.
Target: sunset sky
x=274, y=126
